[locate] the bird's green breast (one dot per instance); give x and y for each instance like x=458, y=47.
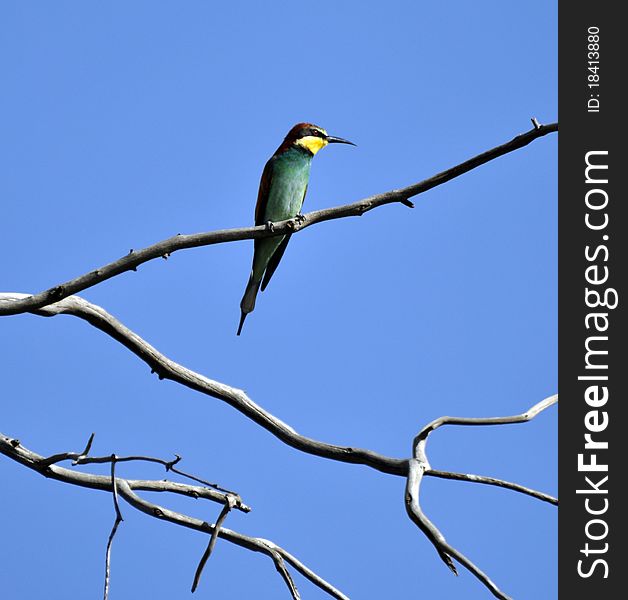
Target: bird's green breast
x=290, y=175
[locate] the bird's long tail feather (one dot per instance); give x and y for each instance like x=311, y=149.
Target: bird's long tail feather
x=248, y=300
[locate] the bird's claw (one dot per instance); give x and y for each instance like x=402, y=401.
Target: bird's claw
x=270, y=226
x=300, y=219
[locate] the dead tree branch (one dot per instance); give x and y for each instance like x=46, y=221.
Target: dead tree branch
x=419, y=466
x=83, y=459
x=165, y=248
x=42, y=465
x=413, y=469
x=226, y=509
x=126, y=489
x=114, y=529
x=493, y=481
x=238, y=399
x=250, y=543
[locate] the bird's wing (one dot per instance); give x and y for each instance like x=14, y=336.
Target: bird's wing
x=303, y=199
x=273, y=263
x=262, y=194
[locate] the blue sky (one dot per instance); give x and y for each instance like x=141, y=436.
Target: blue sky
x=123, y=124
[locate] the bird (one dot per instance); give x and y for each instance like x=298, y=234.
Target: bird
x=281, y=194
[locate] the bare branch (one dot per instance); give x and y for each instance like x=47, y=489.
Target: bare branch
x=250, y=543
x=419, y=466
x=421, y=439
x=169, y=464
x=444, y=549
x=226, y=509
x=13, y=449
x=280, y=565
x=165, y=248
x=115, y=487
x=126, y=490
x=117, y=522
x=75, y=456
x=114, y=529
x=168, y=369
x=83, y=459
x=170, y=467
x=492, y=481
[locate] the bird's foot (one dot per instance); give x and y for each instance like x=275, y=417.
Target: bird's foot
x=270, y=226
x=295, y=223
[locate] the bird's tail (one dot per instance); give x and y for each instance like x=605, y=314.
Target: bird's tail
x=247, y=303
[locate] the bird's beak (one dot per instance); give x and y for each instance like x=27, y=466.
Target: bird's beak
x=336, y=140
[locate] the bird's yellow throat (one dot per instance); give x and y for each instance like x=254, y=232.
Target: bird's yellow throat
x=312, y=143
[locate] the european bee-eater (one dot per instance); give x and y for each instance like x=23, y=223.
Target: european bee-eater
x=281, y=194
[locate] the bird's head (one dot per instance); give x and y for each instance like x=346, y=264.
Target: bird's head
x=311, y=137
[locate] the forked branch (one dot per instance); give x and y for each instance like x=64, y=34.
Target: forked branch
x=419, y=466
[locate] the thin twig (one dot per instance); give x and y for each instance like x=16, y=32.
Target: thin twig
x=117, y=522
x=132, y=260
x=280, y=565
x=83, y=459
x=88, y=446
x=16, y=451
x=226, y=509
x=75, y=456
x=202, y=481
x=492, y=481
x=115, y=487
